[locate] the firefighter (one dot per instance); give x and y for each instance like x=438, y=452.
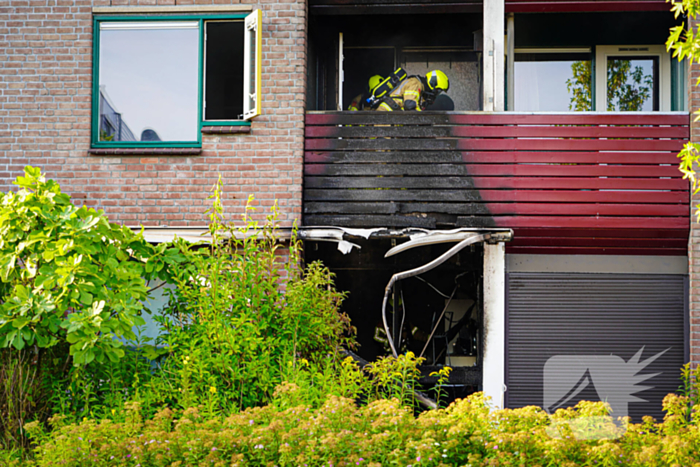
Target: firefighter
x=358, y=103
x=416, y=92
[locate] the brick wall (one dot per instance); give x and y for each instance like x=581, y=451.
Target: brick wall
x=45, y=102
x=694, y=243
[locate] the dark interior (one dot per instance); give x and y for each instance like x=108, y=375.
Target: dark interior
x=364, y=274
x=377, y=44
x=223, y=70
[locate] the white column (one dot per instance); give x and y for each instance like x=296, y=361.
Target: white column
x=510, y=55
x=341, y=71
x=494, y=52
x=494, y=322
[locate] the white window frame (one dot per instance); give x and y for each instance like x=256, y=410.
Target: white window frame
x=601, y=74
x=252, y=83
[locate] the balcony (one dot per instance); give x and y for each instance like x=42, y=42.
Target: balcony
x=572, y=183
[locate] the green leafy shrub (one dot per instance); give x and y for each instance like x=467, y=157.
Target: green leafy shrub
x=71, y=291
x=383, y=432
x=68, y=275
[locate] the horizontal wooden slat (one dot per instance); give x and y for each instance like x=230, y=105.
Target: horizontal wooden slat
x=548, y=209
x=501, y=118
x=505, y=170
x=599, y=241
x=468, y=196
x=490, y=157
x=660, y=223
x=433, y=131
x=638, y=223
x=448, y=144
x=547, y=6
x=596, y=250
x=370, y=221
x=651, y=232
x=533, y=183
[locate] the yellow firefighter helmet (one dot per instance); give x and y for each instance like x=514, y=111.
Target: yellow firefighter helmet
x=437, y=80
x=374, y=82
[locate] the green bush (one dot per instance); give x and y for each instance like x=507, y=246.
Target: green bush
x=383, y=432
x=242, y=320
x=67, y=274
x=71, y=291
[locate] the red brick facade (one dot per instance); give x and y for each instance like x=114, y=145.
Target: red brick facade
x=694, y=241
x=45, y=107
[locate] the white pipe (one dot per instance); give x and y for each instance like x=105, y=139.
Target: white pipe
x=420, y=270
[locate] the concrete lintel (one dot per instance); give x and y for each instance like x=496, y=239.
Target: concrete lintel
x=169, y=9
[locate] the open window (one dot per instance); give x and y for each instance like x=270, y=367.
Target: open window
x=158, y=80
x=252, y=63
x=633, y=78
x=223, y=66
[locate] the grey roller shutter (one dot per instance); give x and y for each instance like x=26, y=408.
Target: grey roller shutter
x=578, y=315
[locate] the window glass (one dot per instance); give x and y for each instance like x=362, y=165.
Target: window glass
x=552, y=82
x=224, y=70
x=148, y=81
x=632, y=84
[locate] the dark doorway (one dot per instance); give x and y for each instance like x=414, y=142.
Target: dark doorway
x=363, y=274
x=360, y=63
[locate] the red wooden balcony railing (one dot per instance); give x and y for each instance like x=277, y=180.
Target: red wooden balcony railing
x=566, y=183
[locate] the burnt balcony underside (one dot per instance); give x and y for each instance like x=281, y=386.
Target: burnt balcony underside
x=576, y=183
x=358, y=7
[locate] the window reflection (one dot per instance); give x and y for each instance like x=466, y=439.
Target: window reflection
x=552, y=82
x=632, y=84
x=148, y=77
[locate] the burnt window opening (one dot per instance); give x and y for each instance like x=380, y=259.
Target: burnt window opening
x=457, y=341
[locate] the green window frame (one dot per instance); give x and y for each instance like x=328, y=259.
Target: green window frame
x=252, y=70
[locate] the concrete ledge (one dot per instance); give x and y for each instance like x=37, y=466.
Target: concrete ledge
x=110, y=10
x=226, y=130
x=144, y=151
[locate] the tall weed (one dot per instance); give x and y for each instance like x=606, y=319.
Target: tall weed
x=242, y=319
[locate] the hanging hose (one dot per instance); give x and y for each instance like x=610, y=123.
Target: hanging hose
x=420, y=270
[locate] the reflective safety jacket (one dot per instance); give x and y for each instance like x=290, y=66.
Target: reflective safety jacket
x=406, y=96
x=358, y=103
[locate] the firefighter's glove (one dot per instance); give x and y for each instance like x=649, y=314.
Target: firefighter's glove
x=409, y=105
